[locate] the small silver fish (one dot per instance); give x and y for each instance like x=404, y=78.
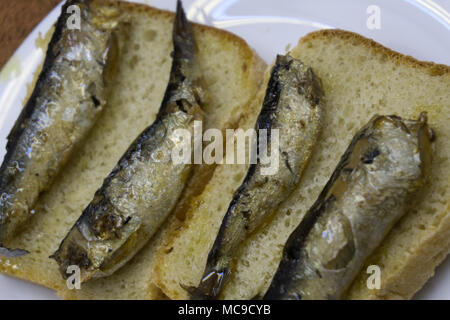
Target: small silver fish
x=386, y=163
x=66, y=101
x=144, y=187
x=293, y=105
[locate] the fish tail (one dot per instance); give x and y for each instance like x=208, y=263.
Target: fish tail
x=183, y=35
x=182, y=74
x=210, y=286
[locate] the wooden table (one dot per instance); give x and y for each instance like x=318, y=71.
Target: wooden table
x=17, y=19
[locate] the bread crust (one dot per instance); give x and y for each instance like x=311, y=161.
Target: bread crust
x=434, y=69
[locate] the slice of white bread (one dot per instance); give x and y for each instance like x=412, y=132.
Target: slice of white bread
x=361, y=78
x=232, y=75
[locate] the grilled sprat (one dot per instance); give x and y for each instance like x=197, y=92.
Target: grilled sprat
x=385, y=164
x=292, y=105
x=65, y=103
x=143, y=188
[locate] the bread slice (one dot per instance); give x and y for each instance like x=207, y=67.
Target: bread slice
x=361, y=78
x=232, y=76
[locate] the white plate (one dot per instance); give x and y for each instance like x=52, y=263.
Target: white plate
x=420, y=28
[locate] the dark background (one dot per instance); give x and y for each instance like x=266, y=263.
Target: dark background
x=17, y=19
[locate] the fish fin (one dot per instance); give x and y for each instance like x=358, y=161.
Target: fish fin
x=210, y=286
x=12, y=253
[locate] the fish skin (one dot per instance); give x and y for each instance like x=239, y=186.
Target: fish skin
x=386, y=163
x=293, y=104
x=66, y=101
x=144, y=187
